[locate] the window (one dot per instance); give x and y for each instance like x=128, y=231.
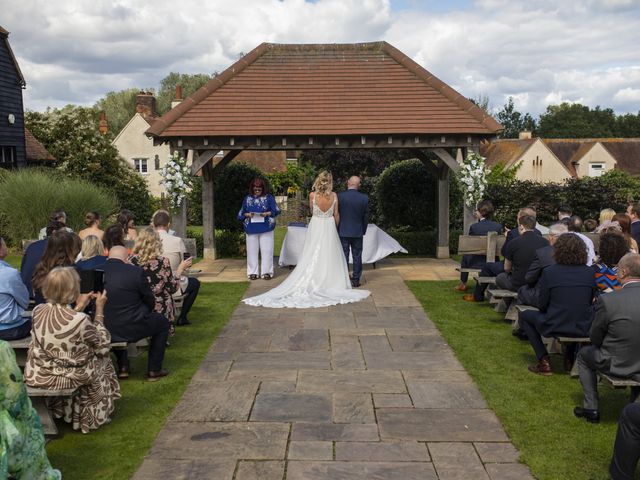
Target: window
x=292, y=160
x=596, y=169
x=140, y=165
x=8, y=156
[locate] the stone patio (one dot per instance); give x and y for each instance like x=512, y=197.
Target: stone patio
x=361, y=391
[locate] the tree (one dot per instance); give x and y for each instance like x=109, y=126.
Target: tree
x=513, y=121
x=190, y=83
x=119, y=107
x=71, y=135
x=573, y=120
x=483, y=102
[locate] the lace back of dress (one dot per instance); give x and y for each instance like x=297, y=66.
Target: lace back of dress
x=317, y=212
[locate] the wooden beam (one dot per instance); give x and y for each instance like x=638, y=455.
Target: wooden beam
x=200, y=159
x=224, y=161
x=208, y=217
x=447, y=158
x=442, y=249
x=426, y=161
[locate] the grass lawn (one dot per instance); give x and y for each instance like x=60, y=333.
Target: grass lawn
x=116, y=450
x=536, y=411
x=14, y=260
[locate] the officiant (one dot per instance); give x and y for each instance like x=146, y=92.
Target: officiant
x=258, y=214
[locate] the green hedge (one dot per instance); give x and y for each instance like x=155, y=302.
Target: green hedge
x=228, y=243
x=425, y=242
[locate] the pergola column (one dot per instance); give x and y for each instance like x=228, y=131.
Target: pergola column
x=208, y=217
x=442, y=248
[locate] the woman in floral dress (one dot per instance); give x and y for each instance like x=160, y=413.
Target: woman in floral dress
x=147, y=254
x=70, y=350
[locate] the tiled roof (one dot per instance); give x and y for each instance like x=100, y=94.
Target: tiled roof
x=504, y=151
x=4, y=36
x=626, y=152
x=346, y=89
x=35, y=150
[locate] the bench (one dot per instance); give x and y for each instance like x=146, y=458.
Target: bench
x=578, y=340
x=21, y=347
x=502, y=299
x=618, y=383
x=38, y=400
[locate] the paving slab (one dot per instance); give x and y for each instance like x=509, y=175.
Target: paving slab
x=394, y=400
x=334, y=432
x=284, y=360
x=313, y=450
x=497, y=452
x=292, y=407
x=508, y=471
x=426, y=394
x=457, y=461
x=382, y=451
x=355, y=381
x=360, y=471
x=300, y=340
x=225, y=401
x=353, y=408
x=266, y=470
x=205, y=469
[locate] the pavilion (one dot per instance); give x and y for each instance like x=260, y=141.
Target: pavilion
x=333, y=96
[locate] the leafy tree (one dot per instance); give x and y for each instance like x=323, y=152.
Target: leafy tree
x=71, y=135
x=576, y=121
x=190, y=83
x=483, y=102
x=628, y=125
x=119, y=107
x=513, y=121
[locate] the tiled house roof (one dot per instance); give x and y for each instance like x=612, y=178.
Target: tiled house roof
x=504, y=151
x=35, y=150
x=626, y=152
x=369, y=88
x=4, y=36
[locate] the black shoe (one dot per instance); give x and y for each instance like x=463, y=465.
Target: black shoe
x=520, y=334
x=253, y=277
x=591, y=416
x=182, y=322
x=155, y=376
x=355, y=284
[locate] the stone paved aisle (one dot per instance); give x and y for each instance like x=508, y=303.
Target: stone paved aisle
x=361, y=391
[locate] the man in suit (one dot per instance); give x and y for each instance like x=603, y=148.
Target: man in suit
x=484, y=212
x=633, y=210
x=626, y=451
x=129, y=313
x=34, y=253
x=354, y=219
x=615, y=338
x=528, y=294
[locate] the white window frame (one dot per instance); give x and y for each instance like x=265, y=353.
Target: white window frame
x=141, y=165
x=597, y=172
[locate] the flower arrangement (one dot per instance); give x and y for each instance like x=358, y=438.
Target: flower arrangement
x=473, y=177
x=176, y=178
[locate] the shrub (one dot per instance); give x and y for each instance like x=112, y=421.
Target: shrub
x=406, y=196
x=424, y=242
x=228, y=243
x=27, y=198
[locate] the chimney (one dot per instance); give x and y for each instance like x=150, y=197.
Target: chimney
x=146, y=105
x=524, y=135
x=178, y=98
x=103, y=125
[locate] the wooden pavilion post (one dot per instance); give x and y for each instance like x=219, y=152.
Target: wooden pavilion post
x=442, y=248
x=208, y=217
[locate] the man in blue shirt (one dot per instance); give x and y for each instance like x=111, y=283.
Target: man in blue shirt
x=14, y=300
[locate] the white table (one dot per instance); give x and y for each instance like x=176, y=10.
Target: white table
x=376, y=245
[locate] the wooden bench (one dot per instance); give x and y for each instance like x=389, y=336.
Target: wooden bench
x=38, y=400
x=21, y=347
x=578, y=340
x=488, y=245
x=618, y=383
x=502, y=299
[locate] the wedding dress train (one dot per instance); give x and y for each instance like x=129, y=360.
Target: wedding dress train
x=321, y=277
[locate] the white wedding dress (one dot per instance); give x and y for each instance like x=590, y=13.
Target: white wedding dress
x=321, y=277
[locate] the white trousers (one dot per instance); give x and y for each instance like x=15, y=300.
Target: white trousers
x=260, y=243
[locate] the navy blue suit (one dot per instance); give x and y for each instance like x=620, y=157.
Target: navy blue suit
x=635, y=231
x=480, y=228
x=566, y=295
x=30, y=260
x=354, y=219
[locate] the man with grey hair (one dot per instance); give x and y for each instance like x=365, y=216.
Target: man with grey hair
x=354, y=219
x=615, y=338
x=528, y=294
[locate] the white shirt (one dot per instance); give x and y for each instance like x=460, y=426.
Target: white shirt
x=591, y=252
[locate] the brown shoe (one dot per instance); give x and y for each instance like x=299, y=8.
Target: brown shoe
x=543, y=367
x=468, y=297
x=461, y=287
x=123, y=373
x=155, y=376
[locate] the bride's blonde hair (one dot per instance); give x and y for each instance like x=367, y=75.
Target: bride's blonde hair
x=323, y=185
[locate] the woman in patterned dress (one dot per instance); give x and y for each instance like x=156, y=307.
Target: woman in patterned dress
x=147, y=254
x=69, y=349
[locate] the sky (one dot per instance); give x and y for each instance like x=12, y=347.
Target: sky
x=540, y=52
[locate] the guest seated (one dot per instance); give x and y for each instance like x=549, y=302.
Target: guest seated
x=113, y=236
x=575, y=227
x=590, y=225
x=483, y=213
x=33, y=255
x=71, y=350
x=62, y=249
x=606, y=215
x=564, y=211
x=615, y=338
x=92, y=254
x=626, y=451
x=173, y=248
x=57, y=216
x=14, y=300
x=633, y=210
x=528, y=294
x=129, y=314
x=613, y=246
x=493, y=269
x=147, y=254
x=519, y=254
x=126, y=220
x=92, y=221
x=566, y=295
x=625, y=225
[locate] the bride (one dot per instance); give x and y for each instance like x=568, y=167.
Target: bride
x=321, y=277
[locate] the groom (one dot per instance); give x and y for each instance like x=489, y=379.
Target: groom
x=354, y=218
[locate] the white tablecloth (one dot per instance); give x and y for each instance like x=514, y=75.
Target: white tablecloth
x=377, y=244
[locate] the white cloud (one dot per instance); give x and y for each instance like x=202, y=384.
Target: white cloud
x=574, y=50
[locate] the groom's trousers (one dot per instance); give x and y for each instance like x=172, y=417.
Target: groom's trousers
x=355, y=245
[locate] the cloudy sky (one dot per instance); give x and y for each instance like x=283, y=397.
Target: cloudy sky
x=538, y=51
